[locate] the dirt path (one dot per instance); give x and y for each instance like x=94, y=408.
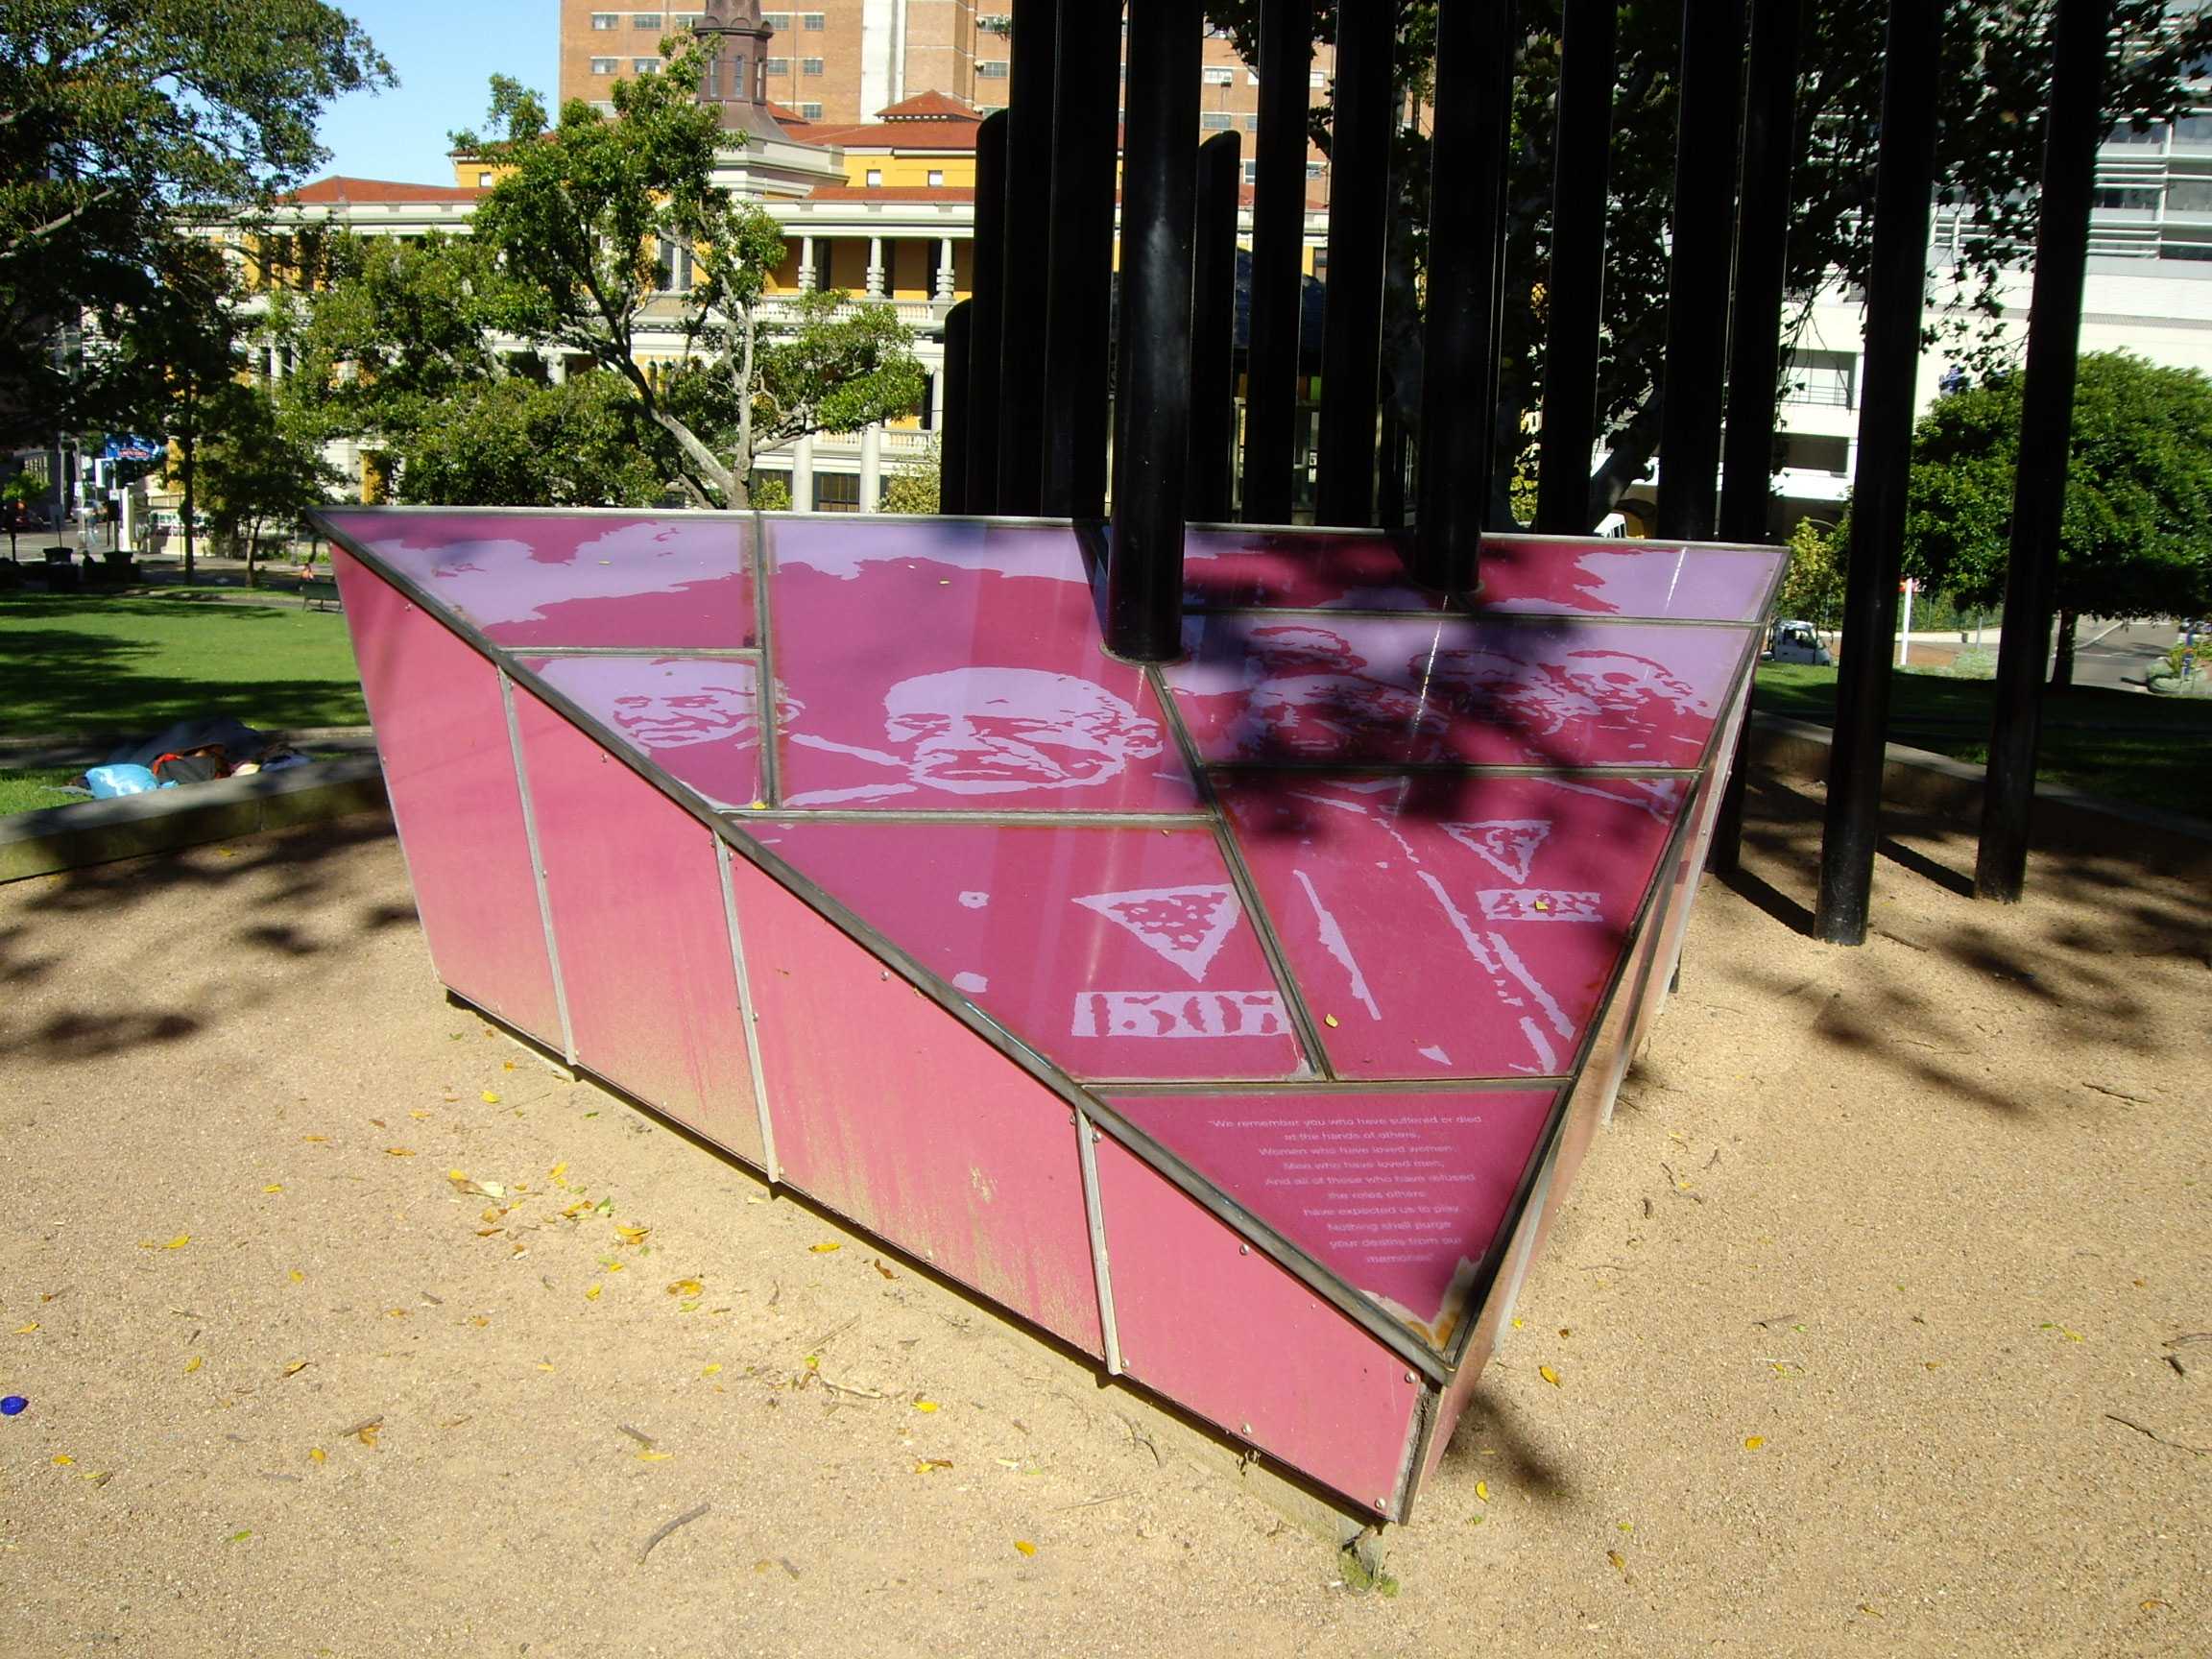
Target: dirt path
x=1869, y=1319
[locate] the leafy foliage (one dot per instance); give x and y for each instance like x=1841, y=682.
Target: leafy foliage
x=120, y=124
x=918, y=485
x=1812, y=586
x=2136, y=539
x=257, y=470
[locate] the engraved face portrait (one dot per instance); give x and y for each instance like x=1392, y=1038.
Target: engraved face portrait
x=996, y=731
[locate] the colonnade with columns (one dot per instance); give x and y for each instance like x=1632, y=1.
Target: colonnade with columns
x=821, y=265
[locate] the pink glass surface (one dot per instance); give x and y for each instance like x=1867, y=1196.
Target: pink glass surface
x=1120, y=952
x=887, y=1110
x=956, y=667
x=1400, y=1194
x=1451, y=925
x=1241, y=1342
x=575, y=579
x=1453, y=690
x=637, y=917
x=448, y=765
x=1328, y=569
x=697, y=716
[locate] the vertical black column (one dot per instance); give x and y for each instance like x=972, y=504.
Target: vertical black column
x=1277, y=258
x=2081, y=41
x=1087, y=115
x=1466, y=246
x=1709, y=96
x=1352, y=335
x=1152, y=409
x=1028, y=238
x=1902, y=178
x=1755, y=329
x=1575, y=297
x=953, y=443
x=986, y=317
x=1214, y=330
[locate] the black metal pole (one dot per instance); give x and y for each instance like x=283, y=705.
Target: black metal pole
x=1466, y=237
x=1214, y=330
x=1575, y=299
x=2081, y=37
x=987, y=317
x=1709, y=100
x=1277, y=258
x=1079, y=277
x=1352, y=332
x=1902, y=178
x=1755, y=331
x=953, y=442
x=1028, y=236
x=1152, y=408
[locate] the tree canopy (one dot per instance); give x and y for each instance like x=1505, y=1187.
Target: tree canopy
x=121, y=124
x=2136, y=539
x=1992, y=94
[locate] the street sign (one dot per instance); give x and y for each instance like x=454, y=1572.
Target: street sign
x=128, y=448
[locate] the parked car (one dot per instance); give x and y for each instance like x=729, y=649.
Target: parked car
x=1794, y=641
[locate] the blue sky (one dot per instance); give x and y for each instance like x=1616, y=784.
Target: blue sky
x=445, y=53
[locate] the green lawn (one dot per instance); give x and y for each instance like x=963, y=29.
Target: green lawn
x=2154, y=750
x=94, y=664
x=29, y=789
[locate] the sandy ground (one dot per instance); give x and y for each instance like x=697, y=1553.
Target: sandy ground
x=1871, y=1320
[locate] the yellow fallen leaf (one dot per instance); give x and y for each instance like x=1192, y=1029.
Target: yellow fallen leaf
x=179, y=1242
x=490, y=1097
x=1619, y=1565
x=296, y=1367
x=1628, y=1525
x=1549, y=1375
x=1482, y=1490
x=26, y=1330
x=242, y=1535
x=925, y=1404
x=193, y=1364
x=298, y=1277
x=316, y=1454
x=316, y=1140
x=1330, y=1021
x=631, y=1235
x=825, y=1249
x=398, y=1152
x=711, y=1370
x=1752, y=1442
x=1518, y=1323
x=506, y=1065
x=1024, y=1545
x=366, y=1434
x=557, y=1171
x=930, y=1465
x=273, y=1187
x=395, y=1312
x=64, y=1459
x=418, y=1115
x=686, y=1287
x=456, y=1175
x=592, y=1292
x=655, y=1456
x=2152, y=1603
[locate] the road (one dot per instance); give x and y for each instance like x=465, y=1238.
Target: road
x=2123, y=655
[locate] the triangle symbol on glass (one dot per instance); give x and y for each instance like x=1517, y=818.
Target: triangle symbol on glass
x=1508, y=844
x=1185, y=925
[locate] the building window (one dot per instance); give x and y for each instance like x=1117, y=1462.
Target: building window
x=816, y=21
x=809, y=65
x=836, y=492
x=1315, y=77
x=1214, y=121
x=1313, y=169
x=2125, y=198
x=1823, y=379
x=1216, y=75
x=604, y=20
x=1251, y=171
x=1829, y=455
x=485, y=181
x=686, y=19
x=809, y=111
x=1251, y=77
x=644, y=65
x=936, y=177
x=991, y=69
x=875, y=177
x=603, y=65
x=989, y=110
x=1251, y=123
x=2192, y=196
x=776, y=65
x=644, y=19
x=778, y=22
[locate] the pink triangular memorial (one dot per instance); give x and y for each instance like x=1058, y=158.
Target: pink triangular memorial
x=1239, y=1023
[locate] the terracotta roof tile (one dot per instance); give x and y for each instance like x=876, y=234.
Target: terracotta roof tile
x=929, y=106
x=893, y=193
x=339, y=191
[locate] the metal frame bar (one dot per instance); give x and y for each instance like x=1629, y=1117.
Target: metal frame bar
x=1341, y=1085
x=711, y=653
x=1210, y=470
x=987, y=321
x=1095, y=1217
x=536, y=862
x=748, y=1016
x=1272, y=353
x=953, y=455
x=765, y=696
x=1079, y=279
x=1352, y=329
x=1031, y=131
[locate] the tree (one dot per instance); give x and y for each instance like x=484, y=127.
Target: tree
x=2136, y=539
x=602, y=219
x=918, y=485
x=121, y=122
x=256, y=469
x=1992, y=94
x=1812, y=586
x=15, y=498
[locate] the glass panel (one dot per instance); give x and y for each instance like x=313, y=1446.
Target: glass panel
x=955, y=666
x=1450, y=925
x=1452, y=690
x=1537, y=575
x=1400, y=1194
x=575, y=579
x=1122, y=953
x=697, y=716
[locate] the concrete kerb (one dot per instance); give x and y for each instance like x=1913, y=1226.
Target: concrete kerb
x=162, y=819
